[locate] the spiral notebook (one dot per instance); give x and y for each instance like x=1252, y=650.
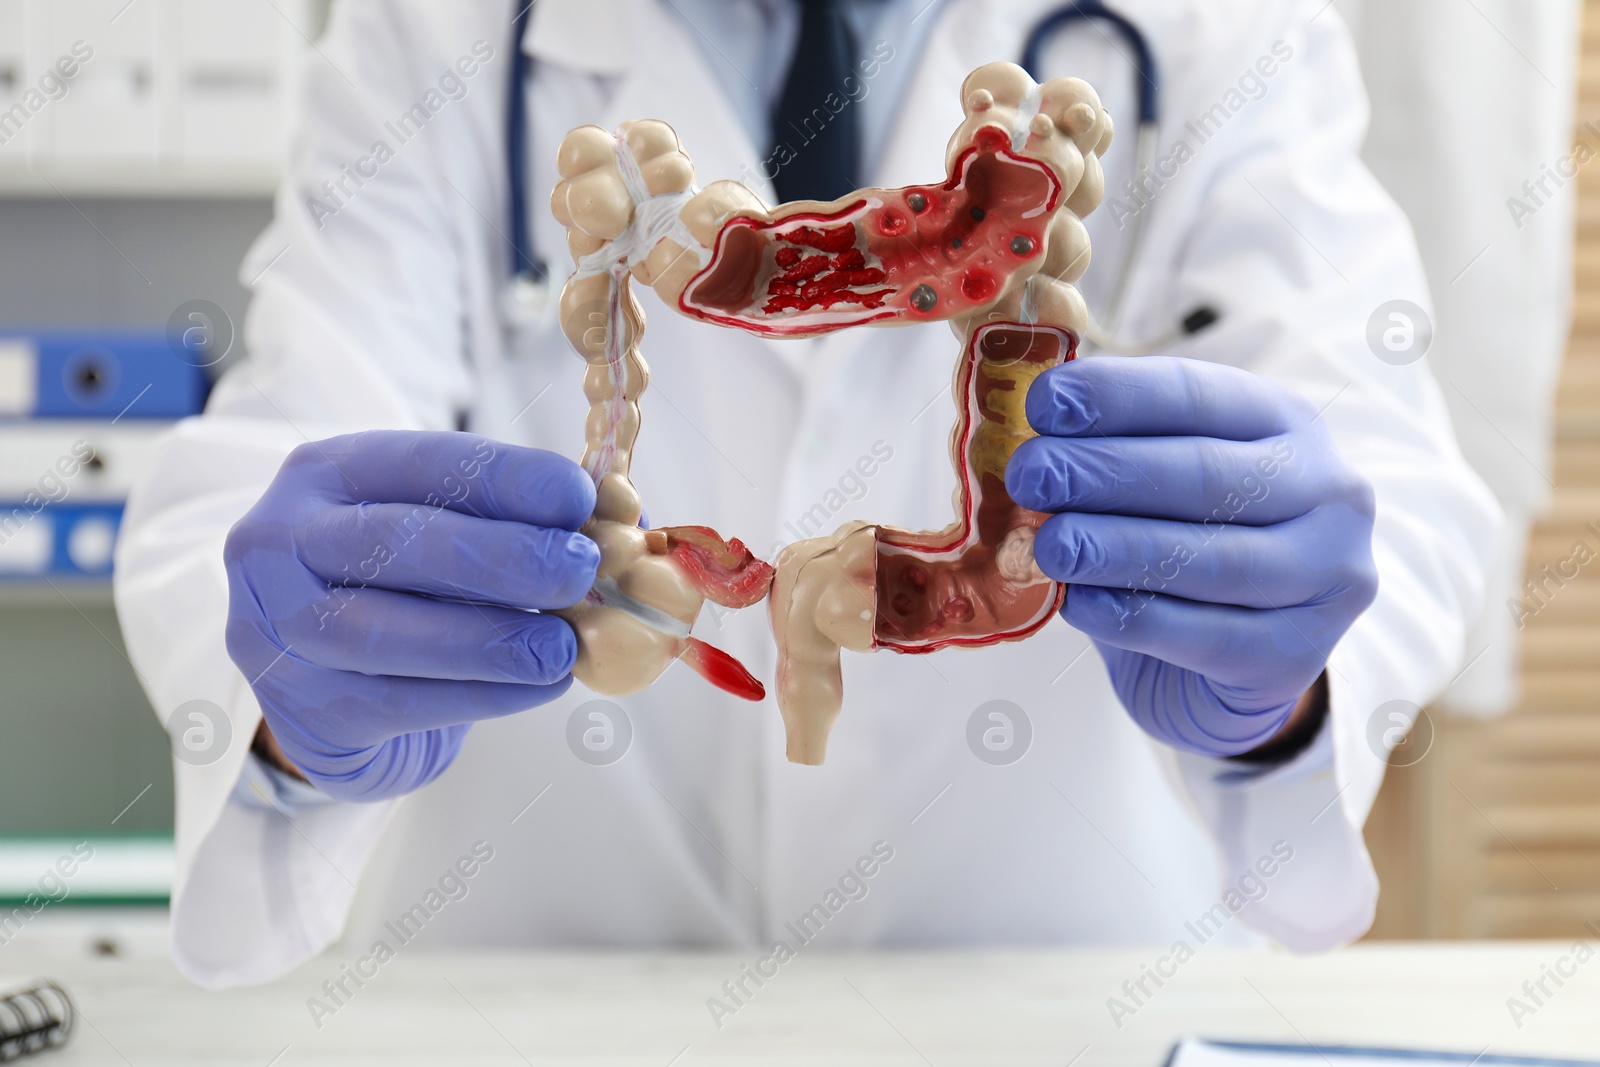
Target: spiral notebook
x=1196, y=1053
x=33, y=1017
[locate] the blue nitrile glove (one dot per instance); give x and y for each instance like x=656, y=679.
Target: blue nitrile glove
x=379, y=596
x=1215, y=543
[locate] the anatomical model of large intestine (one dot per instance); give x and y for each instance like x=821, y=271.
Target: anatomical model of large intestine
x=993, y=249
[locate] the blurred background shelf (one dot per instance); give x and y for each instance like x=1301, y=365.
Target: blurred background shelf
x=1521, y=858
x=34, y=593
x=140, y=143
x=88, y=869
x=148, y=180
x=149, y=97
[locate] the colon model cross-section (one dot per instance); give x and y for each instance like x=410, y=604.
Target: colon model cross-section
x=994, y=249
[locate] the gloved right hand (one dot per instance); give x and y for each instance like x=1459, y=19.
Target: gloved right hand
x=380, y=593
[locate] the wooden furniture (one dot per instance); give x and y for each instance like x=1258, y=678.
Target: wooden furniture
x=1521, y=857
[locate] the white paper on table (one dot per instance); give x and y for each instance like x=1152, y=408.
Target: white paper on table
x=1197, y=1053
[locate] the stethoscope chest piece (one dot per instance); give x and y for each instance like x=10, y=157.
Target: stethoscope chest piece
x=526, y=300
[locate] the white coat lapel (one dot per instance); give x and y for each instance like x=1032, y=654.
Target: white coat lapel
x=968, y=34
x=662, y=73
x=672, y=80
x=587, y=35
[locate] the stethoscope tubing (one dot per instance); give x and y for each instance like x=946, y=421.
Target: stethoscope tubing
x=530, y=274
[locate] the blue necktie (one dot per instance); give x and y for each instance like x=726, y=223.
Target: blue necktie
x=825, y=143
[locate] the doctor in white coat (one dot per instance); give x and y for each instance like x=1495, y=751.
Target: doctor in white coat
x=379, y=303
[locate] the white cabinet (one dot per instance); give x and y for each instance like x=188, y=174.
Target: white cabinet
x=232, y=61
x=161, y=97
x=100, y=56
x=14, y=114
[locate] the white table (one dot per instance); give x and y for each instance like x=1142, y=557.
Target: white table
x=897, y=1008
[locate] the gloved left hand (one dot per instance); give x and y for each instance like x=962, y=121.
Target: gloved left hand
x=1215, y=543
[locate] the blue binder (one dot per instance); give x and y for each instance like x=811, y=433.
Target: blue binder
x=118, y=373
x=65, y=540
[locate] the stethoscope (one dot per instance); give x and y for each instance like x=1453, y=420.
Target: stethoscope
x=529, y=291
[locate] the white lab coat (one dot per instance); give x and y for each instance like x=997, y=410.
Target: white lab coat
x=389, y=315
x=1498, y=254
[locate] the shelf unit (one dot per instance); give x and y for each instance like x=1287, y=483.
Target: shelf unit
x=147, y=98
